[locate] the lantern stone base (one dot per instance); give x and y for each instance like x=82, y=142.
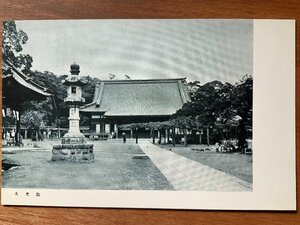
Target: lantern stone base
x=73, y=149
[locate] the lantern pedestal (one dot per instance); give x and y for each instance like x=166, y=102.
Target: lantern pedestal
x=73, y=149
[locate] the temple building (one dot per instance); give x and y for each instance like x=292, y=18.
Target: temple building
x=118, y=102
x=18, y=88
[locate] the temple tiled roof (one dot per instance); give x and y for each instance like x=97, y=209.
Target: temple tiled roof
x=10, y=71
x=138, y=97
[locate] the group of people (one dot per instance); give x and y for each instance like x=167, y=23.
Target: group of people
x=8, y=134
x=113, y=136
x=9, y=138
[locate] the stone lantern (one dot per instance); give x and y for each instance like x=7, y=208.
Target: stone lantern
x=73, y=145
x=74, y=83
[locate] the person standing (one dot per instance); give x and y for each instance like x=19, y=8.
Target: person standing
x=124, y=137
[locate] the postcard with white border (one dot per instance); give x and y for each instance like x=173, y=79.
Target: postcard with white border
x=149, y=113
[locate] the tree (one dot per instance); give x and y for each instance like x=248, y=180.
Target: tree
x=207, y=106
x=45, y=108
x=242, y=101
x=55, y=104
x=34, y=119
x=54, y=86
x=12, y=42
x=222, y=108
x=193, y=87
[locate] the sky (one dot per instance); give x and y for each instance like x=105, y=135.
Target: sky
x=203, y=50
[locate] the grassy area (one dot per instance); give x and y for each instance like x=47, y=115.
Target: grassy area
x=236, y=164
x=113, y=169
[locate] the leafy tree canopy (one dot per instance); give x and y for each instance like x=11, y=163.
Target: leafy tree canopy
x=12, y=42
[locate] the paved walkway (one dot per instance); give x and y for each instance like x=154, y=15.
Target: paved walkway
x=188, y=175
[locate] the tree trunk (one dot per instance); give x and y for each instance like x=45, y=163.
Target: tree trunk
x=207, y=136
x=242, y=136
x=58, y=132
x=137, y=136
x=25, y=136
x=185, y=137
x=173, y=136
x=40, y=135
x=200, y=137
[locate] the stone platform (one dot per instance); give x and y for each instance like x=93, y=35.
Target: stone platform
x=73, y=150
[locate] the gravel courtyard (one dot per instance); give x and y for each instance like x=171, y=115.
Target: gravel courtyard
x=113, y=169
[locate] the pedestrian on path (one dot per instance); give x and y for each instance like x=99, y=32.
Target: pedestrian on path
x=124, y=137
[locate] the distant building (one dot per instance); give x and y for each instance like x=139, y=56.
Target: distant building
x=118, y=102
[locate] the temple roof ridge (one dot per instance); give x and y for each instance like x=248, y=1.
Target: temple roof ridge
x=143, y=80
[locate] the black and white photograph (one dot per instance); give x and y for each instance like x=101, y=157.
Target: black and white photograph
x=128, y=105
x=149, y=113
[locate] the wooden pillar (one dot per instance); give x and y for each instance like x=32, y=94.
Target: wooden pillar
x=111, y=128
x=116, y=131
x=159, y=136
x=153, y=136
x=107, y=128
x=18, y=127
x=166, y=136
x=137, y=135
